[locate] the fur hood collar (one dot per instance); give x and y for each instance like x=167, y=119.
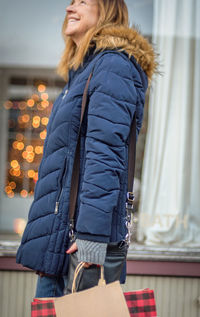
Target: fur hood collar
x=131, y=41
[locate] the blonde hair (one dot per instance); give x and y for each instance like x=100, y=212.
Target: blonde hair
x=112, y=12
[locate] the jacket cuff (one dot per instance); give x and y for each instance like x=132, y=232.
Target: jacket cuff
x=92, y=237
x=92, y=252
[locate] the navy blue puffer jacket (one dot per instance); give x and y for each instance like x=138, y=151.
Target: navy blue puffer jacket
x=116, y=91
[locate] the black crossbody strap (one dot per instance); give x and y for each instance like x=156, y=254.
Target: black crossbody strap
x=76, y=165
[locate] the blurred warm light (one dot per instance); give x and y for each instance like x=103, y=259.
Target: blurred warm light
x=35, y=125
x=16, y=173
x=20, y=119
x=14, y=145
x=36, y=121
x=36, y=118
x=21, y=150
x=30, y=157
x=17, y=168
x=43, y=134
x=20, y=146
x=35, y=97
x=25, y=118
x=39, y=149
x=24, y=154
x=39, y=107
x=24, y=193
x=12, y=185
x=45, y=103
x=29, y=148
x=19, y=225
x=31, y=173
x=41, y=88
x=14, y=164
x=30, y=102
x=11, y=171
x=45, y=120
x=35, y=178
x=8, y=105
x=11, y=195
x=8, y=189
x=44, y=96
x=22, y=105
x=19, y=137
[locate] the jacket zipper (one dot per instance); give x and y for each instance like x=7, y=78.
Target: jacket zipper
x=56, y=210
x=65, y=94
x=57, y=203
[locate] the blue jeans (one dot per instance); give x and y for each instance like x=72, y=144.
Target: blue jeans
x=50, y=286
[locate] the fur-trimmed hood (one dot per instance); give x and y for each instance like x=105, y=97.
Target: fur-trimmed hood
x=131, y=41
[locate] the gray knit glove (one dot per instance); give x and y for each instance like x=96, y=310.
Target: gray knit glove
x=92, y=252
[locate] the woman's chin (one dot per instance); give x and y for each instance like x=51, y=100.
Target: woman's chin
x=70, y=31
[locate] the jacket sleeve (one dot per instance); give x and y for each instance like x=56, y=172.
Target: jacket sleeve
x=112, y=103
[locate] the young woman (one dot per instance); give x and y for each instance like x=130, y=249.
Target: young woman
x=98, y=40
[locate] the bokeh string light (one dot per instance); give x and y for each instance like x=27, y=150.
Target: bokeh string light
x=28, y=119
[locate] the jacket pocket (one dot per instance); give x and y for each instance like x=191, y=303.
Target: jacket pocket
x=60, y=186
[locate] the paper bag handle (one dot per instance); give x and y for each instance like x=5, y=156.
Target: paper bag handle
x=77, y=271
x=102, y=279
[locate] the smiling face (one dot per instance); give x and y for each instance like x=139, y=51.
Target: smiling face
x=82, y=15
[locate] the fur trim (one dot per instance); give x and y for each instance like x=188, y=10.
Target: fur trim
x=129, y=40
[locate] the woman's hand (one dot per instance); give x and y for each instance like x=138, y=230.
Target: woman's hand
x=73, y=249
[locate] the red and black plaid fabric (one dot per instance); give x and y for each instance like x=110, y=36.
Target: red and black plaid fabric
x=42, y=308
x=141, y=303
